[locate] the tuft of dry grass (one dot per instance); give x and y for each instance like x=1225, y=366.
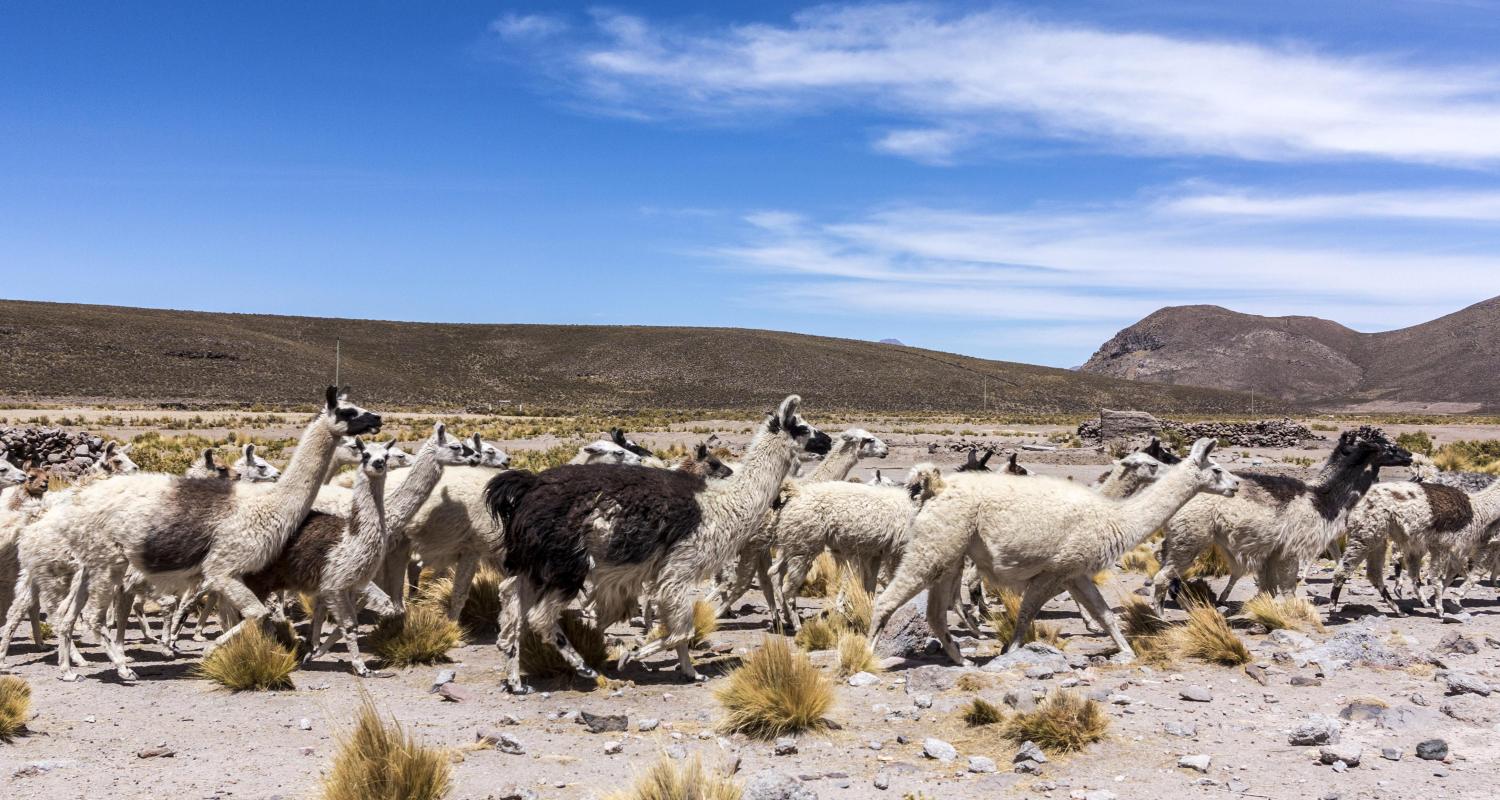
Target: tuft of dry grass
x=1063, y=723
x=482, y=606
x=816, y=634
x=1208, y=637
x=1142, y=559
x=982, y=712
x=1004, y=621
x=423, y=636
x=1282, y=613
x=15, y=707
x=379, y=761
x=972, y=682
x=252, y=661
x=855, y=654
x=776, y=691
x=1211, y=564
x=664, y=780
x=1146, y=632
x=540, y=660
x=705, y=624
x=853, y=607
x=822, y=577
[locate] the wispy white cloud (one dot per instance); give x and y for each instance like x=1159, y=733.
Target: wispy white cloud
x=1427, y=204
x=945, y=81
x=528, y=26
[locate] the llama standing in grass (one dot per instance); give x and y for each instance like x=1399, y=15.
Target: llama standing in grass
x=626, y=527
x=1276, y=522
x=1445, y=524
x=754, y=559
x=1043, y=534
x=178, y=531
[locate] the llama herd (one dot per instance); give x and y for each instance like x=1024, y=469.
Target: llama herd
x=618, y=529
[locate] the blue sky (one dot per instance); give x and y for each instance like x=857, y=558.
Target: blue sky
x=1008, y=181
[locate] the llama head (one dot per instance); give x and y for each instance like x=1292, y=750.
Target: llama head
x=37, y=481
x=490, y=455
x=451, y=450
x=870, y=446
x=254, y=469
x=606, y=452
x=1423, y=468
x=1160, y=452
x=345, y=418
x=347, y=452
x=785, y=420
x=1370, y=445
x=115, y=461
x=372, y=458
x=10, y=474
x=924, y=482
x=395, y=457
x=207, y=467
x=1142, y=467
x=1013, y=468
x=618, y=437
x=712, y=466
x=1207, y=474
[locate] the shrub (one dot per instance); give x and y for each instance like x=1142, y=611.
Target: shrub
x=972, y=682
x=1285, y=612
x=1208, y=637
x=1211, y=564
x=816, y=634
x=664, y=780
x=379, y=761
x=424, y=635
x=822, y=576
x=982, y=712
x=1469, y=456
x=540, y=658
x=775, y=692
x=1141, y=559
x=1416, y=441
x=482, y=606
x=705, y=623
x=1004, y=621
x=1063, y=723
x=1145, y=631
x=855, y=654
x=252, y=661
x=15, y=707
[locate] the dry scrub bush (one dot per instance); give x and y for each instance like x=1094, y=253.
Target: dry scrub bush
x=1063, y=723
x=856, y=655
x=705, y=624
x=816, y=634
x=424, y=635
x=972, y=682
x=481, y=612
x=379, y=761
x=822, y=576
x=1004, y=622
x=1146, y=632
x=252, y=661
x=776, y=691
x=15, y=707
x=664, y=780
x=1142, y=559
x=1212, y=564
x=849, y=612
x=1208, y=637
x=1287, y=612
x=982, y=712
x=540, y=659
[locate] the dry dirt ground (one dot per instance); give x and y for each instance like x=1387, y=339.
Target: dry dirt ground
x=86, y=737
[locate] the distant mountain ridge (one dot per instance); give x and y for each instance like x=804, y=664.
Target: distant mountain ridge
x=98, y=353
x=1451, y=364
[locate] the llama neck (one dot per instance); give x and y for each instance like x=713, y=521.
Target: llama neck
x=291, y=497
x=367, y=519
x=1144, y=512
x=1338, y=483
x=1486, y=506
x=837, y=465
x=737, y=504
x=420, y=480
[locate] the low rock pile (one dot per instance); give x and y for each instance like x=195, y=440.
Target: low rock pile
x=61, y=452
x=1261, y=433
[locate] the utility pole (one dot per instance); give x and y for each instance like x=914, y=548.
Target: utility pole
x=338, y=352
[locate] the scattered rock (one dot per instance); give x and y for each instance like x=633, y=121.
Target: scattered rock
x=772, y=785
x=922, y=701
x=1355, y=645
x=676, y=752
x=939, y=750
x=1034, y=654
x=453, y=693
x=1361, y=710
x=515, y=793
x=612, y=747
x=1020, y=701
x=931, y=679
x=1196, y=694
x=907, y=632
x=982, y=765
x=647, y=725
x=443, y=677
x=1464, y=683
x=604, y=723
x=1028, y=751
x=863, y=679
x=1187, y=730
x=882, y=780
x=304, y=724
x=1347, y=753
x=501, y=741
x=1315, y=730
x=1197, y=762
x=1258, y=673
x=1432, y=750
x=1305, y=680
x=785, y=746
x=159, y=751
x=1390, y=753
x=1455, y=642
x=1027, y=767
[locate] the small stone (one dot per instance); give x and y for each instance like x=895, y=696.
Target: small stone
x=647, y=725
x=1027, y=767
x=676, y=752
x=1028, y=751
x=1455, y=642
x=453, y=693
x=443, y=677
x=1432, y=750
x=982, y=765
x=1196, y=694
x=612, y=747
x=772, y=785
x=1258, y=673
x=510, y=719
x=515, y=793
x=1464, y=683
x=882, y=780
x=1120, y=699
x=1316, y=730
x=1040, y=672
x=1347, y=754
x=1390, y=753
x=306, y=751
x=785, y=746
x=305, y=724
x=922, y=701
x=604, y=723
x=1198, y=762
x=1305, y=680
x=91, y=719
x=501, y=741
x=859, y=679
x=159, y=751
x=939, y=750
x=1020, y=701
x=1339, y=766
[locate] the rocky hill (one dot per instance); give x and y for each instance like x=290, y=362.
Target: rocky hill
x=85, y=353
x=1451, y=364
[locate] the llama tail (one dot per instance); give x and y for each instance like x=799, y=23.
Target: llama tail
x=504, y=492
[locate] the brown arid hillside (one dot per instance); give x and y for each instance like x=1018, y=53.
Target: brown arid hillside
x=83, y=353
x=1448, y=364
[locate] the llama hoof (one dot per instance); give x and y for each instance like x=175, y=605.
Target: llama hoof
x=1122, y=657
x=586, y=673
x=363, y=671
x=126, y=674
x=516, y=687
x=697, y=677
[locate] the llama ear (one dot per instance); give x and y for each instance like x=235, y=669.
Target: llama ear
x=440, y=432
x=1201, y=450
x=617, y=436
x=788, y=409
x=701, y=451
x=1013, y=459
x=391, y=444
x=478, y=444
x=986, y=460
x=109, y=449
x=358, y=445
x=208, y=458
x=332, y=396
x=249, y=452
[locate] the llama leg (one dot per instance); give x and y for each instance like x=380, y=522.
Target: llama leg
x=109, y=593
x=767, y=586
x=545, y=619
x=343, y=608
x=1375, y=573
x=1087, y=595
x=795, y=569
x=67, y=617
x=463, y=578
x=745, y=570
x=375, y=599
x=21, y=606
x=927, y=558
x=316, y=647
x=940, y=597
x=677, y=625
x=508, y=642
x=1038, y=592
